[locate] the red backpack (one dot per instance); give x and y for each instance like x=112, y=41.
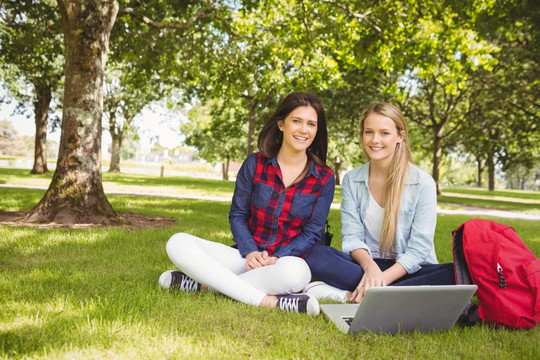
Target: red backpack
x=507, y=273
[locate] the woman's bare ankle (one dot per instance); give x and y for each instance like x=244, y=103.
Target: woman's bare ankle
x=269, y=301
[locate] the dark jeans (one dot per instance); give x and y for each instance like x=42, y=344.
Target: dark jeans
x=338, y=269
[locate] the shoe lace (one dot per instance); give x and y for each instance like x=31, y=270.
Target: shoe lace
x=289, y=303
x=184, y=282
x=188, y=284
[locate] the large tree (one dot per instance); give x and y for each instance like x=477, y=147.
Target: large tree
x=344, y=104
x=514, y=85
x=76, y=192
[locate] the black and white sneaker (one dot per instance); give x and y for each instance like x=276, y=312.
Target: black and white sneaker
x=299, y=303
x=178, y=280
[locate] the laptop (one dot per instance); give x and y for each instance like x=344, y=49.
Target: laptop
x=395, y=309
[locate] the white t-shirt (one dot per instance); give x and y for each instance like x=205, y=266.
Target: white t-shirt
x=373, y=226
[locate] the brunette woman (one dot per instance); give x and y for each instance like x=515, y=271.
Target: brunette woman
x=280, y=204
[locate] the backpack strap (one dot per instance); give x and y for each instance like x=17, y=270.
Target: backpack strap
x=470, y=316
x=327, y=234
x=461, y=270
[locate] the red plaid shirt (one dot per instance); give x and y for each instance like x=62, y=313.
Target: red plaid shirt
x=283, y=221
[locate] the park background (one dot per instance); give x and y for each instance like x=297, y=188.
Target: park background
x=197, y=79
x=102, y=78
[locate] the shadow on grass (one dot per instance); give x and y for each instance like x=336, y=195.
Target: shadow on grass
x=22, y=173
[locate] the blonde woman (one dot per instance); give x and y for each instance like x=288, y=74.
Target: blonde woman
x=388, y=214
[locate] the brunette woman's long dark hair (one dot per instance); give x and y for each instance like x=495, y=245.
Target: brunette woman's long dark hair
x=271, y=138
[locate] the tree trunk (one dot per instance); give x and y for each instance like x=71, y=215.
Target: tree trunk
x=251, y=125
x=337, y=168
x=76, y=194
x=116, y=150
x=41, y=110
x=118, y=132
x=437, y=155
x=225, y=168
x=491, y=171
x=479, y=173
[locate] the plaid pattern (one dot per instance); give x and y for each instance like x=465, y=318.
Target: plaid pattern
x=278, y=214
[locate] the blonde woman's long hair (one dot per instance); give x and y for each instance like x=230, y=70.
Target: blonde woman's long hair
x=397, y=175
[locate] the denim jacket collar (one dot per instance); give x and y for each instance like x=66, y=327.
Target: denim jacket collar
x=363, y=175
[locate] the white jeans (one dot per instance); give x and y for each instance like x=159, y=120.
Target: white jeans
x=223, y=269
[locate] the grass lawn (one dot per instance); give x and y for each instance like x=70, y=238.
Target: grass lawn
x=525, y=201
x=514, y=200
x=93, y=294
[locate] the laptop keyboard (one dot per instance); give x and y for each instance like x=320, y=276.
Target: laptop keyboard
x=348, y=319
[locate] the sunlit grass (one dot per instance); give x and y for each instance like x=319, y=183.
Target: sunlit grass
x=93, y=294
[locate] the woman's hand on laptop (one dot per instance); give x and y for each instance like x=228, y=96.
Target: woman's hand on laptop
x=373, y=277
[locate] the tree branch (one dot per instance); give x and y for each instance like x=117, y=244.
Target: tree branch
x=305, y=22
x=203, y=14
x=350, y=12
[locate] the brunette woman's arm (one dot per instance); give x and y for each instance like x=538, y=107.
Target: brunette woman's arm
x=240, y=211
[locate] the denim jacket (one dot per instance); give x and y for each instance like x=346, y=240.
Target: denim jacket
x=265, y=215
x=416, y=223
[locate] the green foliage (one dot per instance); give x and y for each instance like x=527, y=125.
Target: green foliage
x=10, y=143
x=31, y=48
x=514, y=83
x=519, y=176
x=125, y=98
x=216, y=130
x=277, y=47
x=457, y=172
x=344, y=105
x=129, y=145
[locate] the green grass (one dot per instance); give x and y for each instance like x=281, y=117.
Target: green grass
x=525, y=201
x=93, y=294
x=132, y=183
x=506, y=204
x=137, y=183
x=481, y=192
x=513, y=200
